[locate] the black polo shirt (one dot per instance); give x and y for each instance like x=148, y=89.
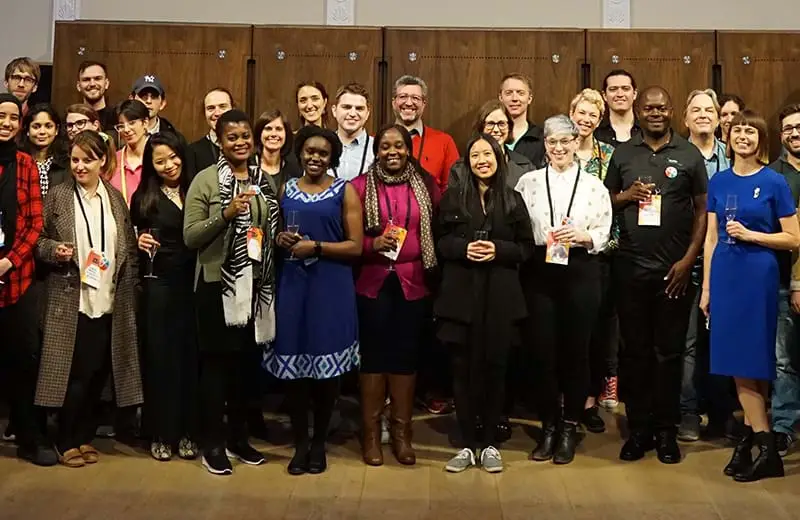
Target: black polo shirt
x=651, y=251
x=531, y=145
x=605, y=132
x=792, y=177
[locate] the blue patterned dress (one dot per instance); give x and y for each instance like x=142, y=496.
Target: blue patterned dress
x=317, y=323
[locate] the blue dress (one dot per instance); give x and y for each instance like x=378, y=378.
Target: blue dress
x=744, y=276
x=317, y=323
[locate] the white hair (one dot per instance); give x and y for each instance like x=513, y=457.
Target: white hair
x=560, y=124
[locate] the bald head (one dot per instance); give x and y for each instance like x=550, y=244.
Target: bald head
x=654, y=110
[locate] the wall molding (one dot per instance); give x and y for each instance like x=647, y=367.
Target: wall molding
x=340, y=12
x=616, y=14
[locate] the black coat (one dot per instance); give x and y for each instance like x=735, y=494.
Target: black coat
x=202, y=154
x=471, y=291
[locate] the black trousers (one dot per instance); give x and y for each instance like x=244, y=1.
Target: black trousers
x=479, y=384
x=563, y=303
x=653, y=329
x=91, y=367
x=604, y=346
x=19, y=364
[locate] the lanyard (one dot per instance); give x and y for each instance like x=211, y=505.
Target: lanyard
x=123, y=181
x=389, y=206
x=550, y=198
x=421, y=145
x=363, y=160
x=88, y=227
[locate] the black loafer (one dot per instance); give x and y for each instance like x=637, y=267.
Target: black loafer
x=637, y=445
x=299, y=464
x=667, y=447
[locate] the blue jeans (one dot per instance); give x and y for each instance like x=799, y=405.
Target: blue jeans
x=786, y=388
x=698, y=385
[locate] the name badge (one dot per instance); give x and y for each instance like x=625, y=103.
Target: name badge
x=255, y=239
x=93, y=268
x=557, y=253
x=650, y=211
x=398, y=233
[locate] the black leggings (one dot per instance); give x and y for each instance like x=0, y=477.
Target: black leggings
x=320, y=395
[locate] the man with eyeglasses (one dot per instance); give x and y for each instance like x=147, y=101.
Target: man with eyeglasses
x=516, y=93
x=92, y=85
x=786, y=388
x=434, y=149
x=620, y=124
x=658, y=184
x=22, y=80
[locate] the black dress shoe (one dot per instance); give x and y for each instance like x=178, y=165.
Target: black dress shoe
x=637, y=445
x=742, y=457
x=567, y=442
x=546, y=448
x=317, y=463
x=592, y=421
x=300, y=462
x=667, y=447
x=768, y=464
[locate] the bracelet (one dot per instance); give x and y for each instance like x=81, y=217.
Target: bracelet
x=318, y=249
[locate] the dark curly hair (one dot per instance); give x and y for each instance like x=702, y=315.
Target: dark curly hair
x=307, y=132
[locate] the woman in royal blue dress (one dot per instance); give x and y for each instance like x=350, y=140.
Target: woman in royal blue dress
x=317, y=331
x=740, y=288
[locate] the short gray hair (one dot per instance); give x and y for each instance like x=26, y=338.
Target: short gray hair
x=560, y=124
x=708, y=92
x=406, y=80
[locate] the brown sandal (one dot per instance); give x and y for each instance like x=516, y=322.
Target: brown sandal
x=72, y=458
x=89, y=454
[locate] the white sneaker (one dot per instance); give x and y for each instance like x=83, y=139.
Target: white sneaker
x=491, y=460
x=463, y=460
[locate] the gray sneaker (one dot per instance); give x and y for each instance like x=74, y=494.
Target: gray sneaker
x=491, y=460
x=689, y=430
x=463, y=460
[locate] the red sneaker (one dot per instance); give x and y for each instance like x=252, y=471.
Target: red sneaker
x=609, y=398
x=439, y=406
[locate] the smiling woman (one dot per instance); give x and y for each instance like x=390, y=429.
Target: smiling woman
x=45, y=140
x=312, y=103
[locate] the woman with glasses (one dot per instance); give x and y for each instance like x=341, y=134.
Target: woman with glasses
x=494, y=120
x=133, y=120
x=44, y=139
x=571, y=215
x=80, y=117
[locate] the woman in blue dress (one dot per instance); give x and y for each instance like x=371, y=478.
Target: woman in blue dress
x=740, y=288
x=317, y=327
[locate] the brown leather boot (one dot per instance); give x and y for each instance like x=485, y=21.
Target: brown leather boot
x=373, y=397
x=401, y=391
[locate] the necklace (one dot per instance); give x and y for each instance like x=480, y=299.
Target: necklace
x=173, y=194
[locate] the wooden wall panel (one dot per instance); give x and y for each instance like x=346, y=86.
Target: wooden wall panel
x=762, y=68
x=286, y=56
x=678, y=61
x=188, y=59
x=463, y=69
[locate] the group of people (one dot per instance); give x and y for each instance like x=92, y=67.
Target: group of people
x=535, y=266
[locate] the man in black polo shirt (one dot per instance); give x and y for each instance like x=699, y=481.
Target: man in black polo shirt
x=620, y=124
x=658, y=186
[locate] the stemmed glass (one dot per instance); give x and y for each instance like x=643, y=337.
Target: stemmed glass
x=69, y=243
x=156, y=234
x=292, y=226
x=730, y=215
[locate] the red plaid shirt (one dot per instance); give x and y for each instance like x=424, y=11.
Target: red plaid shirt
x=29, y=226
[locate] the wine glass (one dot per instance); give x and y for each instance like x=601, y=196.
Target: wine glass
x=292, y=225
x=730, y=214
x=69, y=243
x=156, y=234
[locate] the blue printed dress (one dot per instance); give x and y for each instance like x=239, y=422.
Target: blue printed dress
x=744, y=276
x=317, y=323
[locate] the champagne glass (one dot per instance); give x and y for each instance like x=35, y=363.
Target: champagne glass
x=730, y=214
x=391, y=233
x=156, y=234
x=292, y=225
x=647, y=180
x=69, y=243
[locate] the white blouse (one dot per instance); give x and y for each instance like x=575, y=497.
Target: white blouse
x=591, y=208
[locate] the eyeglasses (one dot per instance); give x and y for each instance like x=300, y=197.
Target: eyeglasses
x=500, y=125
x=789, y=129
x=27, y=80
x=552, y=143
x=80, y=125
x=414, y=98
x=130, y=124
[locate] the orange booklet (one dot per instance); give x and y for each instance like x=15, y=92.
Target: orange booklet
x=400, y=234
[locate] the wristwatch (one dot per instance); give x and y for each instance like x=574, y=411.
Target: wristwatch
x=318, y=249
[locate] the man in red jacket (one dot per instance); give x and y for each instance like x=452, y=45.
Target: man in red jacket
x=434, y=149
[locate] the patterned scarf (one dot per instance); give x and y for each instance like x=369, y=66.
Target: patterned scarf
x=238, y=285
x=44, y=174
x=411, y=176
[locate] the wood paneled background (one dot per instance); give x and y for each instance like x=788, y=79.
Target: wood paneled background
x=262, y=65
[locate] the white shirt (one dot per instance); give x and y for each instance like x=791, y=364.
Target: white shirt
x=94, y=303
x=591, y=209
x=360, y=149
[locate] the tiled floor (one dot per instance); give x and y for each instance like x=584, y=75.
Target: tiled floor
x=127, y=484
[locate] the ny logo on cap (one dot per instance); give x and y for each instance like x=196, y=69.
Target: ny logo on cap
x=150, y=79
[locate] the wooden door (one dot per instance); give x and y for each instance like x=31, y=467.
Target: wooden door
x=678, y=61
x=286, y=56
x=762, y=68
x=187, y=59
x=463, y=69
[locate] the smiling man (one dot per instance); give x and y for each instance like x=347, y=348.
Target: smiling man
x=516, y=94
x=619, y=93
x=351, y=110
x=92, y=85
x=22, y=80
x=658, y=185
x=205, y=151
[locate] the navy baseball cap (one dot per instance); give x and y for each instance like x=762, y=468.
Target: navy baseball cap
x=151, y=82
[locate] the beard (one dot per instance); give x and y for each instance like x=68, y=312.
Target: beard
x=793, y=153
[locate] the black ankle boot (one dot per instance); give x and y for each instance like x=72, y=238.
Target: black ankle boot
x=317, y=462
x=567, y=442
x=546, y=448
x=742, y=454
x=768, y=463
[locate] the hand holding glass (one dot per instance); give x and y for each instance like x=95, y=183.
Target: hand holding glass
x=156, y=234
x=292, y=225
x=730, y=215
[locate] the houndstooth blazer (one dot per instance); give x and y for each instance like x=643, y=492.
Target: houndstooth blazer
x=62, y=301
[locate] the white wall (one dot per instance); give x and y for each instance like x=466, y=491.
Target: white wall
x=26, y=25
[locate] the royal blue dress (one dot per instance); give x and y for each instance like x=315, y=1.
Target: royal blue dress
x=317, y=323
x=744, y=276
